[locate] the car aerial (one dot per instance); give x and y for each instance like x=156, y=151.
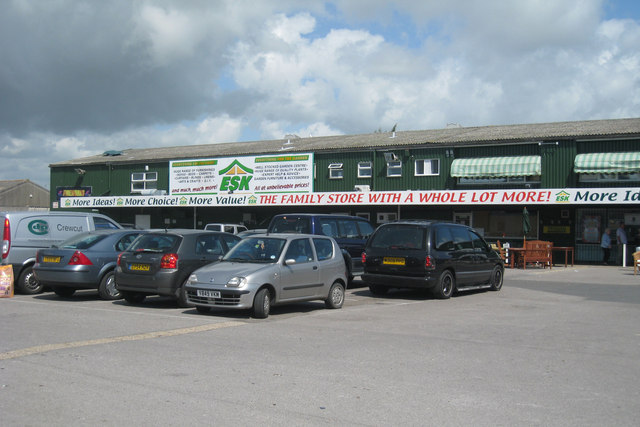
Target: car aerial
x=266, y=270
x=351, y=233
x=442, y=257
x=160, y=262
x=85, y=261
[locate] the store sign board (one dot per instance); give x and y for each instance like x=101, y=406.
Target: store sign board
x=277, y=173
x=575, y=196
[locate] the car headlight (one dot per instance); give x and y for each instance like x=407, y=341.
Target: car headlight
x=237, y=282
x=192, y=279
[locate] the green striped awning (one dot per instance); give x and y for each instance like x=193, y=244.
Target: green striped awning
x=607, y=162
x=486, y=167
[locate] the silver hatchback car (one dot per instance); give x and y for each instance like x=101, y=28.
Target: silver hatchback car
x=271, y=269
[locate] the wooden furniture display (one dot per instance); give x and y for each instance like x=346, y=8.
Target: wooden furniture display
x=501, y=251
x=566, y=250
x=537, y=252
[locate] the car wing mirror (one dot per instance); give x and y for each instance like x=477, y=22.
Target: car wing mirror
x=289, y=261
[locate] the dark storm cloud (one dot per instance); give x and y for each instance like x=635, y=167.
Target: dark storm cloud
x=72, y=65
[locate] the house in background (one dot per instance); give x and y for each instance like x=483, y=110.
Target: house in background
x=22, y=194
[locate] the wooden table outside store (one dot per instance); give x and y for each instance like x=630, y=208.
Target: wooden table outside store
x=566, y=250
x=513, y=254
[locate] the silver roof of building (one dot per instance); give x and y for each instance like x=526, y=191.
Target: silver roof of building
x=450, y=136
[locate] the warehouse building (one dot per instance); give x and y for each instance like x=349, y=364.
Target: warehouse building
x=574, y=179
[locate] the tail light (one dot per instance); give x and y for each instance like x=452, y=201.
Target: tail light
x=6, y=239
x=119, y=256
x=78, y=258
x=429, y=263
x=364, y=258
x=169, y=261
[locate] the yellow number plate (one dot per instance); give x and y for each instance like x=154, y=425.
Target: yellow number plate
x=393, y=261
x=51, y=259
x=139, y=267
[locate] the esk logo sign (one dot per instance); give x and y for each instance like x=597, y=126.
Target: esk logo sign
x=236, y=177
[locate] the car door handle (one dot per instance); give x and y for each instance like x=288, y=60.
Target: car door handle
x=315, y=267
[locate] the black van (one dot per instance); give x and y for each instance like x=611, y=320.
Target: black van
x=351, y=233
x=442, y=257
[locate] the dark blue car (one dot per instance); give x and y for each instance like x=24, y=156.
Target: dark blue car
x=351, y=233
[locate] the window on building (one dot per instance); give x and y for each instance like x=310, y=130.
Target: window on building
x=144, y=181
x=394, y=168
x=609, y=177
x=426, y=167
x=365, y=170
x=336, y=171
x=500, y=180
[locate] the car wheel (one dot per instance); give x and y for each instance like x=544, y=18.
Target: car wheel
x=445, y=286
x=64, y=292
x=182, y=297
x=336, y=296
x=497, y=277
x=378, y=289
x=262, y=304
x=133, y=297
x=202, y=309
x=107, y=289
x=27, y=284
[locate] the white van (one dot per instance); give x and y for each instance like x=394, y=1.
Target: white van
x=23, y=233
x=227, y=228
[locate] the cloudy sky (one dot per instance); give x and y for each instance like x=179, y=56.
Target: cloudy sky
x=78, y=78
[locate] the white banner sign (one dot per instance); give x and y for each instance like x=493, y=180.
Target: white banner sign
x=278, y=173
x=572, y=196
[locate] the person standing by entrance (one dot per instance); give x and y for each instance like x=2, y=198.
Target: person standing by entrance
x=621, y=237
x=605, y=244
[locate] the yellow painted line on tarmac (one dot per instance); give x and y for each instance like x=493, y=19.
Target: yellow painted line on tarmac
x=148, y=335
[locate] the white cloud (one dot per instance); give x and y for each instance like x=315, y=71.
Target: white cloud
x=143, y=74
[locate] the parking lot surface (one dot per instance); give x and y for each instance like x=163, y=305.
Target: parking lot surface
x=554, y=347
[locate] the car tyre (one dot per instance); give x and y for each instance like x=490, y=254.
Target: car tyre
x=27, y=283
x=445, y=286
x=378, y=289
x=107, y=288
x=336, y=296
x=64, y=292
x=133, y=297
x=262, y=304
x=497, y=278
x=182, y=296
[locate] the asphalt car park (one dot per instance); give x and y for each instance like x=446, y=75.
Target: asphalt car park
x=553, y=347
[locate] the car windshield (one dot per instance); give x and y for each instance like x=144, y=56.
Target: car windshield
x=399, y=237
x=256, y=249
x=82, y=241
x=291, y=224
x=155, y=243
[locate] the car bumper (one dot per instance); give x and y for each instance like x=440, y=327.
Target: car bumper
x=229, y=298
x=73, y=279
x=424, y=282
x=162, y=283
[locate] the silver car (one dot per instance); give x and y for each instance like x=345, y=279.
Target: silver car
x=271, y=269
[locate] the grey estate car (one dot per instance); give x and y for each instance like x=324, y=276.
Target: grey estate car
x=265, y=270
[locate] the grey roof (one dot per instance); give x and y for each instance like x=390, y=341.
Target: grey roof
x=450, y=136
x=11, y=184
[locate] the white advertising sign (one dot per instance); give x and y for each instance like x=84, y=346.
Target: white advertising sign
x=277, y=173
x=569, y=196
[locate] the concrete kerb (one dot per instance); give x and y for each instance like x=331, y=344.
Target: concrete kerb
x=601, y=274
